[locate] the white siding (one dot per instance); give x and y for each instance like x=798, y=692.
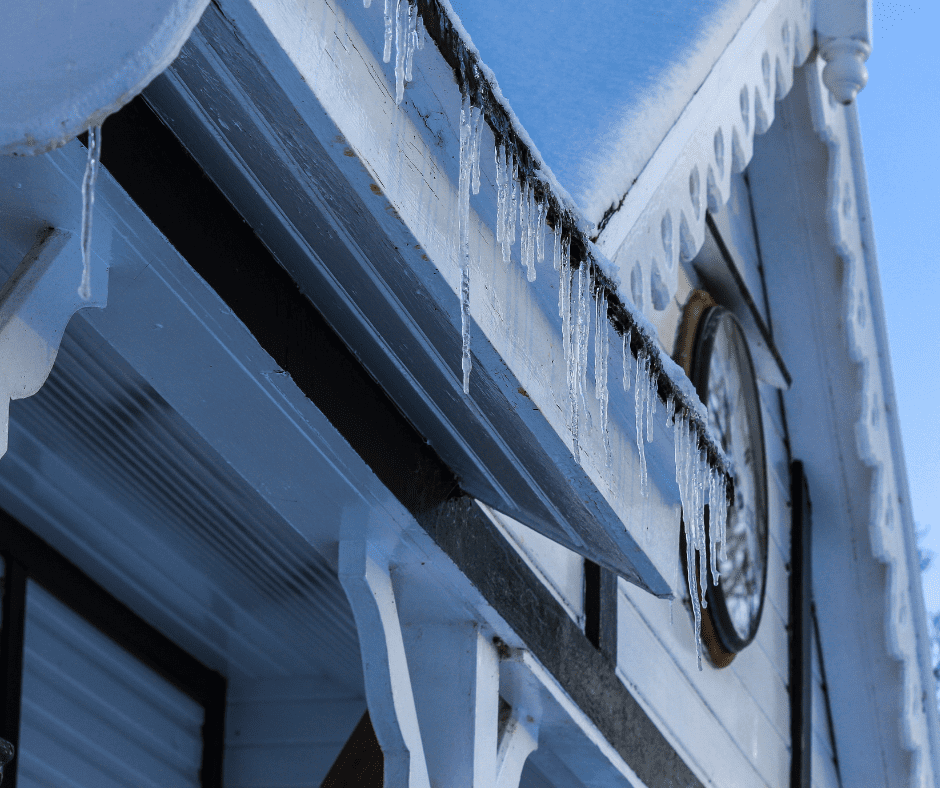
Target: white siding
x=560, y=569
x=824, y=774
x=286, y=733
x=93, y=716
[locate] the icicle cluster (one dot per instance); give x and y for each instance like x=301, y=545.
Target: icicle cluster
x=88, y=202
x=692, y=475
x=519, y=198
x=405, y=25
x=471, y=127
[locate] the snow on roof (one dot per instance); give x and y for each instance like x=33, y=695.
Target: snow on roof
x=598, y=85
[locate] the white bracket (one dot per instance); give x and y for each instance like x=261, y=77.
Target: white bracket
x=433, y=687
x=36, y=304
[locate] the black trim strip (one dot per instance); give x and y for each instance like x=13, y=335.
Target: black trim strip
x=29, y=557
x=825, y=692
x=12, y=632
x=158, y=173
x=801, y=630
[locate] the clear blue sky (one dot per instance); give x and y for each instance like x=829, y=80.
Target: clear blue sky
x=899, y=112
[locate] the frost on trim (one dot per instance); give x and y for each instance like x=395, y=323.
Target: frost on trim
x=88, y=202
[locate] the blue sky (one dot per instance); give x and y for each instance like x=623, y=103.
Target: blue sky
x=899, y=112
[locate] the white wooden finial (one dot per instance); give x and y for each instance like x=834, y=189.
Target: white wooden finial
x=845, y=73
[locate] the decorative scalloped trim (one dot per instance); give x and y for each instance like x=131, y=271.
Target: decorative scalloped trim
x=671, y=225
x=872, y=431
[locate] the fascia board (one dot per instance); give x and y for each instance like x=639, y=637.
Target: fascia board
x=394, y=169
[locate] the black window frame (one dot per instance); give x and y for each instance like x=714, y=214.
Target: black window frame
x=28, y=557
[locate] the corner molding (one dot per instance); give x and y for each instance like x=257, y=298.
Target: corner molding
x=662, y=219
x=36, y=304
x=888, y=517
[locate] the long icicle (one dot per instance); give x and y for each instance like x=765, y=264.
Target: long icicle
x=500, y=191
x=626, y=359
x=556, y=245
x=601, y=348
x=523, y=222
x=387, y=51
x=475, y=154
x=411, y=40
x=400, y=47
x=584, y=335
x=639, y=402
x=684, y=437
x=88, y=203
x=568, y=331
x=540, y=231
x=468, y=116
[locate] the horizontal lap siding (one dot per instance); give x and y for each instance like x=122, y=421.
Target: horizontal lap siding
x=286, y=733
x=95, y=717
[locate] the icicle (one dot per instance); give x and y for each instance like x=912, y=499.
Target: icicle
x=639, y=400
x=540, y=232
x=419, y=41
x=88, y=202
x=523, y=222
x=513, y=199
x=651, y=397
x=700, y=472
x=683, y=437
x=584, y=331
x=387, y=52
x=556, y=245
x=601, y=340
x=468, y=117
x=713, y=506
x=721, y=516
x=366, y=3
x=626, y=359
x=475, y=171
x=500, y=191
x=670, y=411
x=531, y=217
x=400, y=46
x=411, y=40
x=569, y=343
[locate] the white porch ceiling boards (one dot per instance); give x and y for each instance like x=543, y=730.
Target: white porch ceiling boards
x=136, y=459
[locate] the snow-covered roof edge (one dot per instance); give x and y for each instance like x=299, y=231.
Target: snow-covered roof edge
x=878, y=431
x=660, y=221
